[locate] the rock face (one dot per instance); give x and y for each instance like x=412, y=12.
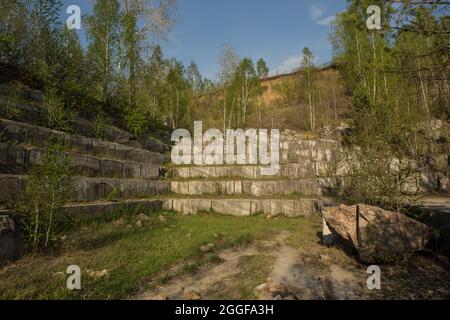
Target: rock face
x=376, y=234
x=11, y=244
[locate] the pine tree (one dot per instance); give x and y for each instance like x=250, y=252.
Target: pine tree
x=13, y=31
x=261, y=68
x=42, y=50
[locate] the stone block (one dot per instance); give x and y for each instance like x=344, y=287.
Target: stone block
x=235, y=207
x=111, y=168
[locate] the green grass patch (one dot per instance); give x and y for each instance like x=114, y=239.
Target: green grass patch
x=134, y=256
x=255, y=270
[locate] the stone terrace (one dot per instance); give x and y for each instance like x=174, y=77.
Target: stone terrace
x=300, y=188
x=100, y=167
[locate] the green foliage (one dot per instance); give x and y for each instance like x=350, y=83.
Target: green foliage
x=13, y=31
x=307, y=66
x=392, y=77
x=240, y=83
x=58, y=117
x=11, y=109
x=48, y=189
x=114, y=195
x=99, y=125
x=131, y=254
x=262, y=69
x=194, y=77
x=109, y=77
x=72, y=71
x=42, y=49
x=289, y=91
x=103, y=32
x=178, y=96
x=378, y=179
x=136, y=120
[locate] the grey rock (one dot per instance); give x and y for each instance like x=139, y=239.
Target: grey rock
x=377, y=235
x=11, y=243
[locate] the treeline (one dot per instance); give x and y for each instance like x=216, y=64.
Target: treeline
x=233, y=97
x=119, y=71
x=313, y=98
x=398, y=76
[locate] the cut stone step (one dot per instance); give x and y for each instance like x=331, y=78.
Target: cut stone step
x=103, y=208
x=306, y=169
x=95, y=209
x=304, y=143
x=261, y=188
x=298, y=156
x=245, y=207
x=89, y=189
x=34, y=111
x=38, y=136
x=17, y=159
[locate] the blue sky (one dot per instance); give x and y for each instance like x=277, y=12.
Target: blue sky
x=275, y=30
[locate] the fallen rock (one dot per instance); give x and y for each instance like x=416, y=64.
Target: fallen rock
x=271, y=290
x=262, y=292
x=12, y=246
x=269, y=244
x=275, y=287
x=324, y=258
x=139, y=224
x=377, y=235
x=207, y=247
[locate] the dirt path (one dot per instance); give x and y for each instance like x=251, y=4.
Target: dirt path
x=308, y=273
x=193, y=287
x=282, y=269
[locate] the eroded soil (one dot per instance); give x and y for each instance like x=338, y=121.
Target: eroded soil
x=281, y=269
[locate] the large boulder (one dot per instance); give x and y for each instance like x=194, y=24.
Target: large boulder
x=11, y=242
x=377, y=235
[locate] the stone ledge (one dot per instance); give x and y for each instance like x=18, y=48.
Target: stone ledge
x=306, y=169
x=255, y=188
x=89, y=189
x=38, y=136
x=16, y=159
x=95, y=209
x=245, y=207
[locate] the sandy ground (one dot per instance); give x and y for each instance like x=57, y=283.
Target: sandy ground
x=310, y=272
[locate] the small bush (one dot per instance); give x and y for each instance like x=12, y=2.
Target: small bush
x=12, y=109
x=377, y=179
x=99, y=127
x=114, y=195
x=58, y=117
x=48, y=188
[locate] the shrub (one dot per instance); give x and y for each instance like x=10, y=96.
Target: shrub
x=47, y=190
x=12, y=109
x=99, y=126
x=58, y=117
x=375, y=179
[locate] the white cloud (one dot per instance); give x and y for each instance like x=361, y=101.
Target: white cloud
x=316, y=11
x=290, y=64
x=326, y=21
